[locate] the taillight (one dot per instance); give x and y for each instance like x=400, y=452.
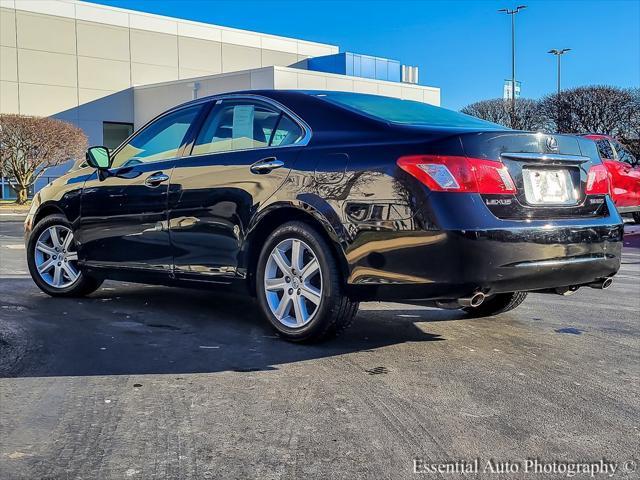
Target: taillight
x=459, y=174
x=598, y=181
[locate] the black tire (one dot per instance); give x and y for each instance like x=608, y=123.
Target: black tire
x=496, y=304
x=84, y=285
x=335, y=312
x=636, y=217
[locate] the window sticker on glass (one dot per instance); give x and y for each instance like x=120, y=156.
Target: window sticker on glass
x=243, y=116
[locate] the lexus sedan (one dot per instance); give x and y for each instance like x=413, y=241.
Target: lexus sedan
x=313, y=201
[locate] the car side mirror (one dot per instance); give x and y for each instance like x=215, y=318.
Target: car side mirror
x=99, y=158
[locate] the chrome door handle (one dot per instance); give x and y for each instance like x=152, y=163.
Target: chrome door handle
x=266, y=165
x=156, y=179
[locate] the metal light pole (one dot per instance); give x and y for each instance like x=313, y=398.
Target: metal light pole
x=513, y=51
x=559, y=53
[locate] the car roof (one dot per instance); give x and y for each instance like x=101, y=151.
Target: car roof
x=273, y=94
x=597, y=136
x=320, y=114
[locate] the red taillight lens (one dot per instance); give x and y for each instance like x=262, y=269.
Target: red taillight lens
x=459, y=174
x=598, y=180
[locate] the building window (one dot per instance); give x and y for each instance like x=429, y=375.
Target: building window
x=8, y=193
x=114, y=133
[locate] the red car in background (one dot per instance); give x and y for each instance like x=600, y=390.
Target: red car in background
x=624, y=172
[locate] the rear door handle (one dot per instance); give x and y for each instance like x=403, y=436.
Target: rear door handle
x=266, y=165
x=156, y=179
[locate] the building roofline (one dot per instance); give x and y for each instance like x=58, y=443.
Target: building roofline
x=80, y=10
x=277, y=68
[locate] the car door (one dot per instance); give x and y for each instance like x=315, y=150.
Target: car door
x=241, y=156
x=629, y=171
x=123, y=213
x=619, y=191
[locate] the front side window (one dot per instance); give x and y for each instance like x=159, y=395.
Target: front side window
x=243, y=125
x=158, y=141
x=624, y=155
x=605, y=150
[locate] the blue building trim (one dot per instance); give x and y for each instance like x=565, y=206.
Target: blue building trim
x=356, y=65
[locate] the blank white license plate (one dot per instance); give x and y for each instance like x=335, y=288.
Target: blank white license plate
x=549, y=187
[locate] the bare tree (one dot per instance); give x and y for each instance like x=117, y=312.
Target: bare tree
x=527, y=115
x=30, y=145
x=631, y=133
x=593, y=109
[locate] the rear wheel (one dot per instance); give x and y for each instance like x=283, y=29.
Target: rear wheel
x=53, y=260
x=299, y=285
x=496, y=304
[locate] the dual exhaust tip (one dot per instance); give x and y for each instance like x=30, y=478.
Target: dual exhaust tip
x=600, y=284
x=474, y=300
x=478, y=298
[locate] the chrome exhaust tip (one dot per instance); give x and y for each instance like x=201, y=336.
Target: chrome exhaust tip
x=602, y=284
x=473, y=301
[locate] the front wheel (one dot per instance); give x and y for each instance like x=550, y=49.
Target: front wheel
x=496, y=304
x=299, y=285
x=52, y=259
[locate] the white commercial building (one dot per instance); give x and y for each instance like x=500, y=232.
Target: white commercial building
x=109, y=70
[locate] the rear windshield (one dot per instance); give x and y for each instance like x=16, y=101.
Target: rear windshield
x=406, y=112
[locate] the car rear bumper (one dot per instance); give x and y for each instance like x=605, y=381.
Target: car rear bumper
x=629, y=209
x=520, y=256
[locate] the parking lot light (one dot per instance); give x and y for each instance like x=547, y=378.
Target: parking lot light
x=558, y=53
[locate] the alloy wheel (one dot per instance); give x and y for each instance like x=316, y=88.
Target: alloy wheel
x=293, y=283
x=56, y=258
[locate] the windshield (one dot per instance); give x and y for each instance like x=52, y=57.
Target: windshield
x=406, y=112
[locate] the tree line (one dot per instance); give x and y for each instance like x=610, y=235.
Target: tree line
x=591, y=109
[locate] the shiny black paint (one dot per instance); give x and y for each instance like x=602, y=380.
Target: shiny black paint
x=213, y=199
x=392, y=236
x=123, y=221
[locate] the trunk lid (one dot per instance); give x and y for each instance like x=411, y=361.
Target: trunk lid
x=535, y=159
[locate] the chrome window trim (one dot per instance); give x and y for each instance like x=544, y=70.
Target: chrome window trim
x=552, y=157
x=296, y=118
x=216, y=100
x=304, y=126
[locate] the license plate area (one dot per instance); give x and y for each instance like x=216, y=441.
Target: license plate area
x=549, y=186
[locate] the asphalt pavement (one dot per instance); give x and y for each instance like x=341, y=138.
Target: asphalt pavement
x=152, y=382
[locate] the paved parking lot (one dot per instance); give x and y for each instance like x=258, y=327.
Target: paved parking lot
x=151, y=382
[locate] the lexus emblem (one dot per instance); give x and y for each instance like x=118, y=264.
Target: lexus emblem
x=552, y=144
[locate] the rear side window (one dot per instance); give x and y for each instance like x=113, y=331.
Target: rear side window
x=624, y=155
x=287, y=132
x=406, y=112
x=604, y=149
x=243, y=125
x=159, y=140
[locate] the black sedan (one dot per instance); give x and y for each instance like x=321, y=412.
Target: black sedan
x=313, y=201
